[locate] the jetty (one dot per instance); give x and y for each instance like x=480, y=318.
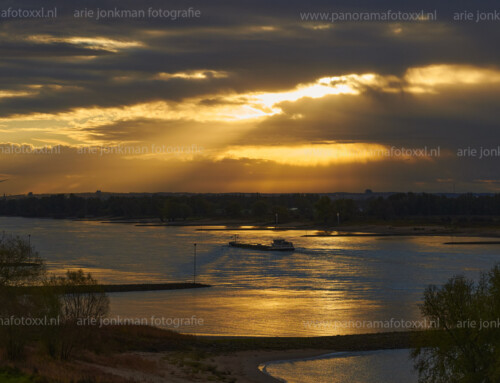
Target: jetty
x=118, y=288
x=151, y=287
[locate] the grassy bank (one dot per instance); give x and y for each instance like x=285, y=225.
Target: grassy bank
x=145, y=338
x=139, y=352
x=12, y=375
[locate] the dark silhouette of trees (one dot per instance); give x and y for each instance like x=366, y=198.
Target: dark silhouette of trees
x=312, y=207
x=465, y=343
x=80, y=302
x=174, y=210
x=28, y=296
x=260, y=208
x=20, y=266
x=324, y=209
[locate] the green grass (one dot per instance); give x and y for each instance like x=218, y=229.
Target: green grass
x=195, y=362
x=11, y=375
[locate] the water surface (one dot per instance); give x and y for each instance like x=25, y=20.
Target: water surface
x=388, y=366
x=327, y=286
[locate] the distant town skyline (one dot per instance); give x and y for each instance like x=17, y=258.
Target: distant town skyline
x=271, y=97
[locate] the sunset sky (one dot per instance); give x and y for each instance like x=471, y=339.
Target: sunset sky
x=248, y=97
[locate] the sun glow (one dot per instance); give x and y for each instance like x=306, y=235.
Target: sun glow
x=310, y=155
x=435, y=75
x=14, y=93
x=233, y=107
x=238, y=108
x=326, y=86
x=103, y=43
x=193, y=75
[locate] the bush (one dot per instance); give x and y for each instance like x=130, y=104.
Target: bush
x=81, y=302
x=26, y=293
x=20, y=266
x=465, y=346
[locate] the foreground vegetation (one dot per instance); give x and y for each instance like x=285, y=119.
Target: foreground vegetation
x=41, y=311
x=12, y=375
x=117, y=346
x=465, y=344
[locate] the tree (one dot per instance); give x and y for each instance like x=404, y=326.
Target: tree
x=282, y=212
x=345, y=207
x=234, y=209
x=323, y=209
x=465, y=344
x=81, y=304
x=260, y=208
x=173, y=210
x=20, y=266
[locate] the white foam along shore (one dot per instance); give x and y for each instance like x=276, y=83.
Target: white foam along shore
x=338, y=354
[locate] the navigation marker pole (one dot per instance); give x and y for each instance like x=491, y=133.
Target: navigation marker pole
x=194, y=265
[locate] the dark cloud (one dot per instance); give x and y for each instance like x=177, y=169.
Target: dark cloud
x=260, y=46
x=138, y=130
x=225, y=38
x=450, y=118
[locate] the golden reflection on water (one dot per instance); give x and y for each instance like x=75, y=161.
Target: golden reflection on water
x=248, y=312
x=388, y=366
x=325, y=283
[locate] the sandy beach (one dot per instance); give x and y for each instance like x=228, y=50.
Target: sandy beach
x=226, y=359
x=246, y=364
x=241, y=367
x=350, y=230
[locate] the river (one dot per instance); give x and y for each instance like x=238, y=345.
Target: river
x=328, y=286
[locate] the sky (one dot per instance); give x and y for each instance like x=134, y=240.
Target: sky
x=249, y=96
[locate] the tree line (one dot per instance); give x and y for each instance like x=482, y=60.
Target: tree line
x=287, y=207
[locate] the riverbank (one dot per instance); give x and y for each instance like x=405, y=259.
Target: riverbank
x=237, y=359
x=124, y=354
x=410, y=227
x=310, y=229
x=151, y=287
x=249, y=353
x=127, y=288
x=372, y=231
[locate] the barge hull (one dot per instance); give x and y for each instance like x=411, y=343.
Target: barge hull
x=258, y=247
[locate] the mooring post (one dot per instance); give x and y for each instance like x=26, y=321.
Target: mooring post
x=194, y=265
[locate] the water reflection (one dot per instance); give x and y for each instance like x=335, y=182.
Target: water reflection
x=391, y=366
x=324, y=282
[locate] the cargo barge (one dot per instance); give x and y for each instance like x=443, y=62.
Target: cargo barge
x=276, y=245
